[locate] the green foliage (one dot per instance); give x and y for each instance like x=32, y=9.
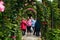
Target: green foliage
x=53, y=34
x=9, y=22
x=10, y=19
x=44, y=13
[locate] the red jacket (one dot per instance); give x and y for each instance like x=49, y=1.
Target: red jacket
x=23, y=24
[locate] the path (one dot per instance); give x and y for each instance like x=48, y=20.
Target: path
x=31, y=37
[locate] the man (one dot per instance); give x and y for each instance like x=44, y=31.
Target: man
x=37, y=27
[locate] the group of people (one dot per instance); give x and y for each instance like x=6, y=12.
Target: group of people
x=28, y=24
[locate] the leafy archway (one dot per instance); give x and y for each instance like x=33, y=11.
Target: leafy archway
x=12, y=20
x=30, y=12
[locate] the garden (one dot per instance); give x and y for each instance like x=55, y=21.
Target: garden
x=11, y=12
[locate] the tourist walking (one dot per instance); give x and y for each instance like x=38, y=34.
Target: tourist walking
x=37, y=27
x=23, y=26
x=29, y=23
x=33, y=25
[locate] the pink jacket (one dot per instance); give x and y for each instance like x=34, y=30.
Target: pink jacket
x=29, y=22
x=23, y=24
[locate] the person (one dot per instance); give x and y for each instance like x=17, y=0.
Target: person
x=29, y=23
x=33, y=25
x=37, y=27
x=23, y=26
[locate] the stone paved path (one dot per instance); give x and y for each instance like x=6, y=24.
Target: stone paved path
x=31, y=37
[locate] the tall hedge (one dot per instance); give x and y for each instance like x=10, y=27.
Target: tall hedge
x=10, y=21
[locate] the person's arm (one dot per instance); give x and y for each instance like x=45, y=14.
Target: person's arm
x=25, y=22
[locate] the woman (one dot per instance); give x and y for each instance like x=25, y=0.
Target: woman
x=29, y=23
x=33, y=25
x=23, y=26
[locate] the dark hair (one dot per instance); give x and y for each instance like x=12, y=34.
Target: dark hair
x=38, y=18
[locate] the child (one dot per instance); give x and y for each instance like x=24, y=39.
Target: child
x=23, y=26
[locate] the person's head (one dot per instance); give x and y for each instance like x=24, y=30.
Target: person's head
x=27, y=18
x=23, y=18
x=32, y=18
x=35, y=18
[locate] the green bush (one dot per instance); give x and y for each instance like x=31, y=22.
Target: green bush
x=9, y=22
x=53, y=34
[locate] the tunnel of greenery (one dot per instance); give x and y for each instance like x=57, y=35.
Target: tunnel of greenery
x=47, y=12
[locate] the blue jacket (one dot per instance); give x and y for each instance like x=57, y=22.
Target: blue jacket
x=33, y=22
